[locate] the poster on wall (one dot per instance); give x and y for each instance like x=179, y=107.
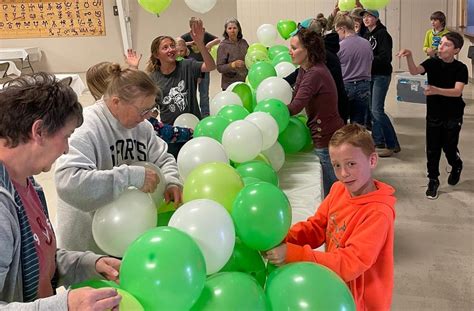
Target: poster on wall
x=51, y=19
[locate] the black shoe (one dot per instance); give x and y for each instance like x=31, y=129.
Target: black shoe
x=397, y=149
x=432, y=192
x=455, y=175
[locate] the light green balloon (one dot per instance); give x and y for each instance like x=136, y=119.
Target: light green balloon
x=245, y=93
x=257, y=46
x=255, y=56
x=155, y=6
x=219, y=182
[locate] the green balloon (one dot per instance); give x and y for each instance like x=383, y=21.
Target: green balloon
x=129, y=302
x=270, y=268
x=277, y=49
x=374, y=4
x=233, y=112
x=286, y=27
x=313, y=285
x=295, y=137
x=155, y=6
x=346, y=5
x=259, y=72
x=250, y=180
x=282, y=57
x=277, y=109
x=219, y=182
x=247, y=260
x=231, y=291
x=258, y=169
x=95, y=283
x=262, y=215
x=245, y=93
x=164, y=268
x=164, y=218
x=212, y=126
x=257, y=46
x=255, y=56
x=213, y=51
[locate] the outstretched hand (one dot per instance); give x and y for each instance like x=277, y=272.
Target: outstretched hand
x=404, y=53
x=197, y=31
x=132, y=59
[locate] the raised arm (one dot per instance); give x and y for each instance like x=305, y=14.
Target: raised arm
x=414, y=69
x=197, y=33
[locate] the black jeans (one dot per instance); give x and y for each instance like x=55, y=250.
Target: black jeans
x=442, y=135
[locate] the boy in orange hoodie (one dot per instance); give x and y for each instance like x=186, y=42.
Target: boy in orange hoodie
x=355, y=221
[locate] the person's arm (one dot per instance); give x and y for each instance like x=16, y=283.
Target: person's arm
x=359, y=253
x=197, y=33
x=414, y=69
x=210, y=44
x=426, y=43
x=307, y=88
x=454, y=92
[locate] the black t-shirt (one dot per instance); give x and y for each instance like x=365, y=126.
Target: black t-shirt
x=445, y=75
x=207, y=38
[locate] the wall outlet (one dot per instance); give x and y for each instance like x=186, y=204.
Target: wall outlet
x=116, y=10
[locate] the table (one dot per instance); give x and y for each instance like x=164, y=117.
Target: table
x=28, y=54
x=301, y=180
x=77, y=84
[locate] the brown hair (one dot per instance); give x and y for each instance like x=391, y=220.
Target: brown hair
x=38, y=96
x=355, y=135
x=154, y=63
x=344, y=21
x=98, y=77
x=192, y=20
x=439, y=16
x=129, y=84
x=314, y=44
x=455, y=38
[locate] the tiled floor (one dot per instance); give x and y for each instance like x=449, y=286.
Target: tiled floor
x=434, y=246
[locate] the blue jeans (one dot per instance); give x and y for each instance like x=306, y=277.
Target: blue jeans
x=358, y=93
x=329, y=177
x=382, y=129
x=204, y=95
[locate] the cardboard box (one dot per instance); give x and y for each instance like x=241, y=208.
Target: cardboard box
x=410, y=88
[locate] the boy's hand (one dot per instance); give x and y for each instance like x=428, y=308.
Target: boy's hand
x=175, y=194
x=431, y=90
x=431, y=52
x=404, y=53
x=277, y=255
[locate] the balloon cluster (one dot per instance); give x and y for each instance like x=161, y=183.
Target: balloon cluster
x=206, y=254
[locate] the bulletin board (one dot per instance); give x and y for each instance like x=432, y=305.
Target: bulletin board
x=51, y=19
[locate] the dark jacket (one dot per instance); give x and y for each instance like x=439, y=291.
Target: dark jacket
x=381, y=43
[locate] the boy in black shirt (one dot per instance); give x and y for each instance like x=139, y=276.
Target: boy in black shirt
x=445, y=107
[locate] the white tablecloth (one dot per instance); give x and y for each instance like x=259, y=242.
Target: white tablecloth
x=77, y=84
x=300, y=179
x=34, y=53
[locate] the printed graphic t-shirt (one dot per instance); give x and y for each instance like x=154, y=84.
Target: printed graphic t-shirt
x=178, y=90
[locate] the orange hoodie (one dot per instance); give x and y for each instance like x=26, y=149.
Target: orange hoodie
x=358, y=232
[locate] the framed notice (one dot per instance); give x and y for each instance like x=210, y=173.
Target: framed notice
x=49, y=19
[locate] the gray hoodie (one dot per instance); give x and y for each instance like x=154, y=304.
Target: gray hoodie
x=72, y=267
x=96, y=170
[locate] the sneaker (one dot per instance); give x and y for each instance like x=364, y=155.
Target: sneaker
x=432, y=192
x=455, y=175
x=380, y=146
x=397, y=149
x=384, y=152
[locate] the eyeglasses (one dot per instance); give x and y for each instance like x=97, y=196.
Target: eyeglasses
x=146, y=111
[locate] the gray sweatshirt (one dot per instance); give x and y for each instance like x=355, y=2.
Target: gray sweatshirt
x=96, y=171
x=72, y=267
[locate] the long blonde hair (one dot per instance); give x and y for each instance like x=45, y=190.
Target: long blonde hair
x=153, y=62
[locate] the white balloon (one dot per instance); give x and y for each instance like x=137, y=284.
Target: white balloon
x=242, y=141
x=211, y=227
x=267, y=34
x=284, y=69
x=201, y=6
x=116, y=225
x=276, y=155
x=267, y=125
x=197, y=151
x=234, y=84
x=159, y=192
x=275, y=87
x=222, y=99
x=186, y=120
